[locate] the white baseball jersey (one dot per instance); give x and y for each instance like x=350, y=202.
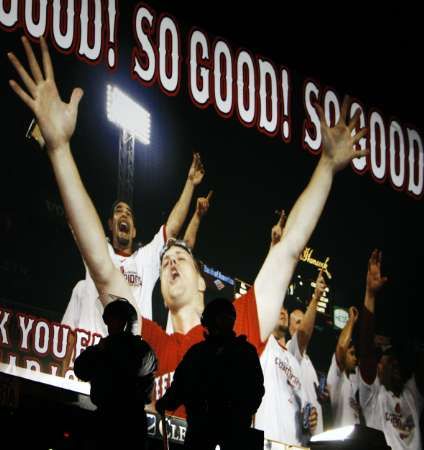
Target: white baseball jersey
x=309, y=379
x=397, y=417
x=343, y=390
x=141, y=270
x=280, y=413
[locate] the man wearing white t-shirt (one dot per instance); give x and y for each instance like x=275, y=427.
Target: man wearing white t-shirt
x=280, y=413
x=342, y=378
x=389, y=403
x=301, y=327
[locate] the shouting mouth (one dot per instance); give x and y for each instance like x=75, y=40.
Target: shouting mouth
x=123, y=227
x=174, y=274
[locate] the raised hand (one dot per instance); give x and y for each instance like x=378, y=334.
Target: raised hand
x=338, y=142
x=278, y=228
x=374, y=279
x=202, y=205
x=353, y=314
x=320, y=285
x=196, y=172
x=55, y=118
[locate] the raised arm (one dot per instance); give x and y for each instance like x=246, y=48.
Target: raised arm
x=278, y=228
x=345, y=338
x=306, y=328
x=179, y=212
x=202, y=207
x=57, y=120
x=274, y=276
x=367, y=359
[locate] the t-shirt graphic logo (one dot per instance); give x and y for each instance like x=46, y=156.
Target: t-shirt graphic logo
x=133, y=279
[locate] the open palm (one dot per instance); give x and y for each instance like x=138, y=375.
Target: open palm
x=55, y=118
x=374, y=279
x=338, y=142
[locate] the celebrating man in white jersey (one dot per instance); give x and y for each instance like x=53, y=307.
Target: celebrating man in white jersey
x=301, y=327
x=389, y=402
x=342, y=379
x=280, y=414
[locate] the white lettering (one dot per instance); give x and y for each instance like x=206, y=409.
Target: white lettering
x=33, y=365
x=312, y=128
x=169, y=83
x=3, y=332
x=199, y=78
x=331, y=108
x=82, y=340
x=397, y=154
x=268, y=118
x=245, y=88
x=359, y=164
x=41, y=337
x=63, y=40
x=25, y=328
x=416, y=164
x=57, y=332
x=378, y=146
x=9, y=18
x=91, y=52
x=36, y=29
x=223, y=83
x=145, y=70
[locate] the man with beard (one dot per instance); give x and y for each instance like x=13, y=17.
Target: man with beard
x=390, y=402
x=342, y=379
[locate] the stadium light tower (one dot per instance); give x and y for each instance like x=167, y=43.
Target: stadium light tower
x=134, y=123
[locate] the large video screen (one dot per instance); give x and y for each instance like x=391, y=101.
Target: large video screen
x=158, y=88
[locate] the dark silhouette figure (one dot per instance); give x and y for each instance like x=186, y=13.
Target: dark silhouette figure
x=220, y=383
x=120, y=369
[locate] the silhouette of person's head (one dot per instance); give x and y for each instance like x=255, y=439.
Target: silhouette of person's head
x=219, y=317
x=119, y=316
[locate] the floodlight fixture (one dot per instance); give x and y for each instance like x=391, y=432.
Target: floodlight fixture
x=338, y=434
x=127, y=114
x=350, y=437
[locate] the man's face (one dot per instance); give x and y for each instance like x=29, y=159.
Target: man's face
x=390, y=374
x=283, y=323
x=122, y=226
x=296, y=318
x=351, y=360
x=181, y=283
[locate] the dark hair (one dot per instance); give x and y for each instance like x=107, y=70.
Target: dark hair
x=121, y=309
x=116, y=203
x=217, y=307
x=173, y=242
